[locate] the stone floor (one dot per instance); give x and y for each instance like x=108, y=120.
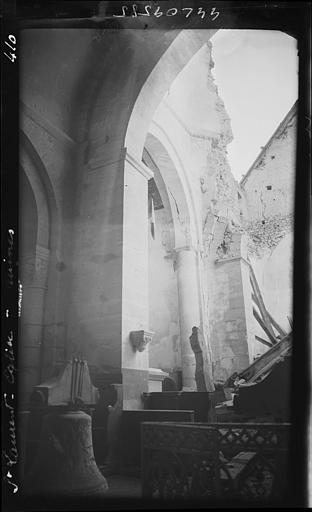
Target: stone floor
x=123, y=487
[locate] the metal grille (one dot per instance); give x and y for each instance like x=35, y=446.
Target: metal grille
x=226, y=461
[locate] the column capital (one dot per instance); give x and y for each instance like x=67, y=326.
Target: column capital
x=138, y=166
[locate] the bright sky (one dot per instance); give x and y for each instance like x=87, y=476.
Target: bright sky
x=256, y=72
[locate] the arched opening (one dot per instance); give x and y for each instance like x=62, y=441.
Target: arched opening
x=43, y=291
x=165, y=349
x=173, y=287
x=38, y=245
x=179, y=53
x=179, y=280
x=33, y=265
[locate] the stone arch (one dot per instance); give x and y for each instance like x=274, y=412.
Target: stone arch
x=42, y=235
x=178, y=54
x=38, y=205
x=124, y=90
x=176, y=194
x=164, y=350
x=48, y=211
x=142, y=131
x=157, y=191
x=141, y=126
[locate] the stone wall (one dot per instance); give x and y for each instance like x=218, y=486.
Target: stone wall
x=268, y=191
x=275, y=167
x=269, y=188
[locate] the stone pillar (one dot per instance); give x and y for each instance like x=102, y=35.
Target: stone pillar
x=33, y=278
x=135, y=364
x=232, y=325
x=109, y=295
x=189, y=310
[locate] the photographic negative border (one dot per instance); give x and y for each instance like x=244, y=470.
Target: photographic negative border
x=290, y=17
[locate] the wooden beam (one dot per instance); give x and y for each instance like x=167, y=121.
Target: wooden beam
x=277, y=326
x=254, y=298
x=279, y=329
x=260, y=303
x=264, y=327
x=265, y=342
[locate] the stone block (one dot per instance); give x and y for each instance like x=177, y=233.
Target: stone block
x=155, y=379
x=199, y=402
x=234, y=314
x=135, y=382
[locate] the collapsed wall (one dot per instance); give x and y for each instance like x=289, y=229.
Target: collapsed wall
x=269, y=188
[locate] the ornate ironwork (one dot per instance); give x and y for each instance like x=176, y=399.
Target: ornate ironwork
x=226, y=461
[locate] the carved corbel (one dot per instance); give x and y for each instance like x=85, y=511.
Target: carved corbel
x=140, y=339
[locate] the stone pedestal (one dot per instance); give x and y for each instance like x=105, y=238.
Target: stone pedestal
x=189, y=309
x=155, y=379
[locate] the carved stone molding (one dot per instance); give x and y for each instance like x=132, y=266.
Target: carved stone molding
x=139, y=166
x=140, y=339
x=27, y=112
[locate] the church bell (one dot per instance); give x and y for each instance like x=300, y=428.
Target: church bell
x=65, y=463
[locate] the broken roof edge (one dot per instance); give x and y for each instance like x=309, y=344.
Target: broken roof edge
x=281, y=127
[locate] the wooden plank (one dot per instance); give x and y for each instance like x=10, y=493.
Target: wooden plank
x=279, y=329
x=267, y=360
x=264, y=327
x=254, y=298
x=265, y=342
x=260, y=302
x=277, y=326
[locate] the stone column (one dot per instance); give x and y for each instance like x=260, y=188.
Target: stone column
x=189, y=310
x=33, y=278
